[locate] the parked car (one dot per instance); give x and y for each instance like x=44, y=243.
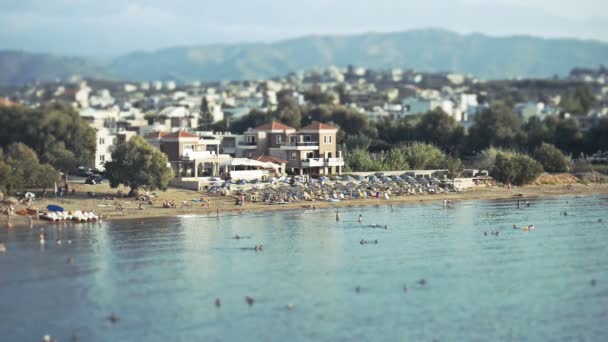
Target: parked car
x=94, y=179
x=84, y=172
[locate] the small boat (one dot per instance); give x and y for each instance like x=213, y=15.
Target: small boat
x=52, y=207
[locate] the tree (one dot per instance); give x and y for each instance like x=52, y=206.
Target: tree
x=137, y=164
x=357, y=141
x=360, y=160
x=453, y=165
x=438, y=128
x=289, y=113
x=206, y=118
x=421, y=156
x=395, y=160
x=515, y=168
x=497, y=126
x=568, y=136
x=20, y=169
x=47, y=129
x=551, y=158
x=597, y=139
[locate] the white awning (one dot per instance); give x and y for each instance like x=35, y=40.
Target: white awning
x=249, y=162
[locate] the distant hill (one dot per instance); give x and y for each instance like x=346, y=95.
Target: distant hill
x=17, y=67
x=424, y=50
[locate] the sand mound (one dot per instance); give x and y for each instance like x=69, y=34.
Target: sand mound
x=556, y=178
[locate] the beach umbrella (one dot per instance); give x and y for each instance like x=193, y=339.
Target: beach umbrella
x=323, y=179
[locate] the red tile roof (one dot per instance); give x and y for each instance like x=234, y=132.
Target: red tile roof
x=273, y=126
x=315, y=126
x=269, y=159
x=155, y=135
x=181, y=134
x=6, y=102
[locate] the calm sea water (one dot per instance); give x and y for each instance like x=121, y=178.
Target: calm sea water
x=161, y=278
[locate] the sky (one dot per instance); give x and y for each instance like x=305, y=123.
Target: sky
x=106, y=28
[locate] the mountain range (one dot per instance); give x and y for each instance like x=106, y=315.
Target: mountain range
x=430, y=50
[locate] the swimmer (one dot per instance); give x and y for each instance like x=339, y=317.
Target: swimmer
x=2, y=247
x=237, y=236
x=386, y=226
x=218, y=303
x=514, y=227
x=360, y=218
x=249, y=300
x=392, y=208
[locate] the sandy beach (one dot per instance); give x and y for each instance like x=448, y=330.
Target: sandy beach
x=225, y=204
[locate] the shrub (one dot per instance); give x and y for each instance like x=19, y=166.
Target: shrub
x=551, y=158
x=515, y=168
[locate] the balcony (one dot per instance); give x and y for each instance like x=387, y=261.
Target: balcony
x=248, y=144
x=300, y=145
x=197, y=155
x=335, y=162
x=228, y=149
x=313, y=162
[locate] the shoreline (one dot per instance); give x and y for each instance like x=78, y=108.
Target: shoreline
x=226, y=204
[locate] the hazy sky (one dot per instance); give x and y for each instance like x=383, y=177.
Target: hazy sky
x=111, y=27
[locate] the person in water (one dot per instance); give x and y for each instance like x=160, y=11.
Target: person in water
x=337, y=216
x=360, y=218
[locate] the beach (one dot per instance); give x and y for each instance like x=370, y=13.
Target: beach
x=187, y=201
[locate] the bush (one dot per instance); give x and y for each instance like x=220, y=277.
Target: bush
x=551, y=158
x=421, y=156
x=515, y=168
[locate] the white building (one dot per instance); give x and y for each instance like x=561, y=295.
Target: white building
x=107, y=140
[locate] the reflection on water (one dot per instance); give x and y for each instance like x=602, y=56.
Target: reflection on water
x=161, y=278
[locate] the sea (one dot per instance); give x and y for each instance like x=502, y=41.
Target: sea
x=433, y=274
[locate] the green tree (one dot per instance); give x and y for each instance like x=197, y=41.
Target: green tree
x=497, y=126
x=438, y=128
x=360, y=160
x=47, y=129
x=137, y=164
x=421, y=156
x=453, y=165
x=47, y=176
x=515, y=168
x=597, y=137
x=568, y=136
x=395, y=160
x=205, y=117
x=357, y=141
x=551, y=158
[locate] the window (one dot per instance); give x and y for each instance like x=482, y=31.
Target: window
x=102, y=141
x=306, y=138
x=279, y=139
x=293, y=155
x=250, y=139
x=293, y=139
x=189, y=147
x=327, y=139
x=102, y=158
x=249, y=154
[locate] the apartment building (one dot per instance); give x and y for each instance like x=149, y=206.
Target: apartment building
x=309, y=151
